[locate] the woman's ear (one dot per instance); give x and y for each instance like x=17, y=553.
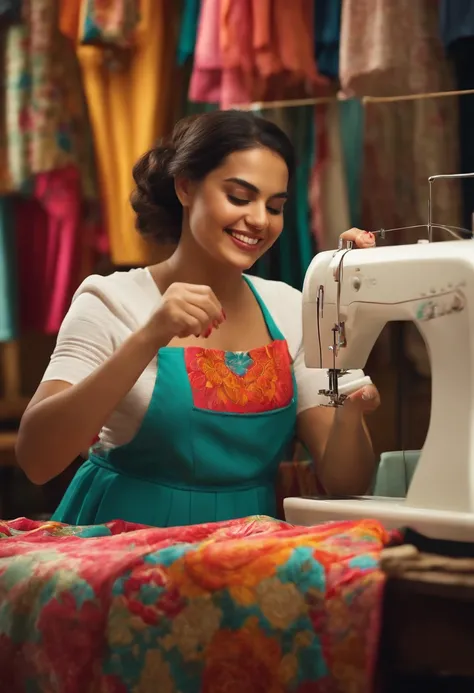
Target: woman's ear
x=184, y=190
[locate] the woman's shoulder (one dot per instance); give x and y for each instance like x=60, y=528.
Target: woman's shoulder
x=130, y=295
x=284, y=303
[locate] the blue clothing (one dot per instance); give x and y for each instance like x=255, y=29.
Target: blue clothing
x=209, y=447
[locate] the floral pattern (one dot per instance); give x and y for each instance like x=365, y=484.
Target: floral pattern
x=253, y=604
x=110, y=22
x=235, y=382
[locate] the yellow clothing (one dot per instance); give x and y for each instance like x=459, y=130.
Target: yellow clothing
x=128, y=96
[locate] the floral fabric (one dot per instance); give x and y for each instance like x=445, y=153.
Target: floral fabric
x=109, y=22
x=250, y=605
x=246, y=383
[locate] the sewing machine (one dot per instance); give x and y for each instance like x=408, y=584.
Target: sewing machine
x=348, y=297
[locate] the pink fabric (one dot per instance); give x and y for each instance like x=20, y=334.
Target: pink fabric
x=48, y=232
x=206, y=77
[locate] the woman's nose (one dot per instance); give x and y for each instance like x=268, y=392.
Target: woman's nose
x=257, y=217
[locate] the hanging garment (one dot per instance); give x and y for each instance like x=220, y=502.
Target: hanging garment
x=329, y=195
x=327, y=30
x=125, y=102
x=46, y=114
x=69, y=18
x=289, y=258
x=391, y=48
x=254, y=50
x=109, y=23
x=457, y=31
x=49, y=232
x=8, y=274
x=351, y=116
x=188, y=30
x=10, y=12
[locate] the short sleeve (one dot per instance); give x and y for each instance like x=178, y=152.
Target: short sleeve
x=310, y=380
x=85, y=340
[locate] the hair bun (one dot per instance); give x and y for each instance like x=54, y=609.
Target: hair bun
x=154, y=200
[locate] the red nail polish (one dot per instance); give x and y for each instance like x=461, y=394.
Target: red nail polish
x=207, y=332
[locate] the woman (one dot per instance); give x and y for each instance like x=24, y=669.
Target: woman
x=192, y=371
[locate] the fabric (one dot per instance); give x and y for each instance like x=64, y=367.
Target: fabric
x=351, y=120
x=254, y=605
x=391, y=48
x=327, y=29
x=208, y=449
x=106, y=310
x=125, y=97
x=45, y=133
x=109, y=23
x=188, y=30
x=295, y=248
x=253, y=50
x=8, y=273
x=69, y=18
x=48, y=229
x=329, y=194
x=457, y=32
x=10, y=11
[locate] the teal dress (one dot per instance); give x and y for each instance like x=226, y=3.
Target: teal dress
x=209, y=446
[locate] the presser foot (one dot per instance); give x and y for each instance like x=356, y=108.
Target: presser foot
x=334, y=400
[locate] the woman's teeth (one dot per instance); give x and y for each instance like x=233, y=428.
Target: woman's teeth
x=244, y=239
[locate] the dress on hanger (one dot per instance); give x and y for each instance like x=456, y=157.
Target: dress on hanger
x=126, y=91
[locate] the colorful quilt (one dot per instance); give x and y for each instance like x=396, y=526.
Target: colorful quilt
x=253, y=605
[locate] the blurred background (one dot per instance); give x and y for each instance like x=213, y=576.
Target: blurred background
x=376, y=96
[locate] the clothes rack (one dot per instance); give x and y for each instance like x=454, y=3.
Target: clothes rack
x=340, y=96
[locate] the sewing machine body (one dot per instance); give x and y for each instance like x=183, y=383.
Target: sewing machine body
x=433, y=285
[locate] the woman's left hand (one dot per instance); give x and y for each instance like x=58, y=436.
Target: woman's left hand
x=365, y=400
x=362, y=239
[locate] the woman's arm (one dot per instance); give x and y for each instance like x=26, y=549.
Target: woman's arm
x=339, y=443
x=62, y=419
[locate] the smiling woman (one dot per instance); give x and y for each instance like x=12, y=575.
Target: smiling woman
x=192, y=372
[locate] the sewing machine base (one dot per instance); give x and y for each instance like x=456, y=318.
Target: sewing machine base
x=393, y=513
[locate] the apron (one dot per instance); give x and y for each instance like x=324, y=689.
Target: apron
x=209, y=446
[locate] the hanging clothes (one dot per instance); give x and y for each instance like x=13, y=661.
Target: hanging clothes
x=457, y=32
x=351, y=115
x=328, y=195
x=291, y=255
x=188, y=30
x=8, y=275
x=254, y=50
x=327, y=30
x=391, y=48
x=126, y=91
x=109, y=24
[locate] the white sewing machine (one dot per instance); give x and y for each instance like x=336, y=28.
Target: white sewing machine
x=348, y=297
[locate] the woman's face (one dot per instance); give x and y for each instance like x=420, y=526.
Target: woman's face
x=236, y=213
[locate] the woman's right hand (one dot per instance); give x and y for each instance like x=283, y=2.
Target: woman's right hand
x=186, y=309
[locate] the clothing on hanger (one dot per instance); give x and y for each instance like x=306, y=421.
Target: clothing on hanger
x=126, y=107
x=254, y=50
x=457, y=32
x=389, y=48
x=110, y=23
x=327, y=31
x=8, y=273
x=188, y=30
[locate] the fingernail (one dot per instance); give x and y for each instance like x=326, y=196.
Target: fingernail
x=223, y=315
x=207, y=332
x=216, y=324
x=367, y=393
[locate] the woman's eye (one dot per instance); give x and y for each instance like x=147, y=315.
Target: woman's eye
x=237, y=200
x=272, y=210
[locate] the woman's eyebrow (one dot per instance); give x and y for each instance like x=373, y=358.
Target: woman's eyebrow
x=253, y=188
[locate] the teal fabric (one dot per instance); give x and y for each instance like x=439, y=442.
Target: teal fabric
x=188, y=30
x=185, y=465
x=291, y=255
x=8, y=273
x=327, y=29
x=352, y=138
x=395, y=473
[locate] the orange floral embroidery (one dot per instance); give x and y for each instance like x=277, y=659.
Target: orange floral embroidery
x=257, y=381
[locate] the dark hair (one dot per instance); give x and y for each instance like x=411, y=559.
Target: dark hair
x=197, y=146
